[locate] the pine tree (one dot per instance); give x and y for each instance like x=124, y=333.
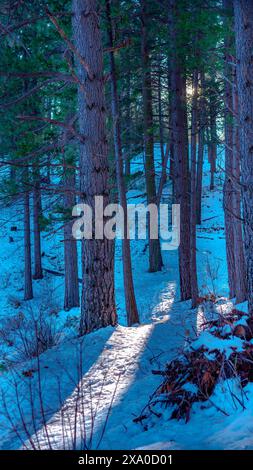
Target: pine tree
x=130, y=301
x=243, y=17
x=98, y=303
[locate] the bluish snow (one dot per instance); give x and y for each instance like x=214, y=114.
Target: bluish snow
x=111, y=369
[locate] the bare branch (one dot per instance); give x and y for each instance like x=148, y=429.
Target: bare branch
x=69, y=43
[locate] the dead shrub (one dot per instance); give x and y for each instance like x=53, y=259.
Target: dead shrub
x=29, y=336
x=193, y=376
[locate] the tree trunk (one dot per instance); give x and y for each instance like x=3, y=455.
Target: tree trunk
x=201, y=137
x=131, y=307
x=213, y=146
x=128, y=124
x=240, y=268
x=170, y=139
x=98, y=299
x=71, y=294
x=194, y=124
x=160, y=110
x=180, y=149
x=228, y=184
x=243, y=11
x=38, y=274
x=155, y=257
x=28, y=289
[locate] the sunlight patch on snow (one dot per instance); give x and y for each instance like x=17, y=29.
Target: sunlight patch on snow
x=161, y=311
x=99, y=390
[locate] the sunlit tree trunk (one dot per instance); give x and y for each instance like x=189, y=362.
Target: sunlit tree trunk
x=98, y=300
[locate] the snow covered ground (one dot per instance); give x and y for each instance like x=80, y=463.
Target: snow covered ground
x=86, y=392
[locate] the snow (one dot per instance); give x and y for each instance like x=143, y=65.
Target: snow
x=92, y=388
x=242, y=321
x=188, y=387
x=243, y=307
x=211, y=342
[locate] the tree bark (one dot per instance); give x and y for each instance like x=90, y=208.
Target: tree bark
x=180, y=149
x=240, y=268
x=232, y=193
x=131, y=307
x=128, y=123
x=28, y=289
x=201, y=138
x=213, y=146
x=71, y=293
x=160, y=110
x=37, y=212
x=155, y=257
x=243, y=12
x=194, y=125
x=228, y=184
x=98, y=299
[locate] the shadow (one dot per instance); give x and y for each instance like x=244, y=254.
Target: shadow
x=37, y=393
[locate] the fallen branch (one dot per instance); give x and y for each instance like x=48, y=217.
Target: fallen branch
x=58, y=273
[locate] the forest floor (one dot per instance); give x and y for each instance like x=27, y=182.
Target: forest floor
x=86, y=392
